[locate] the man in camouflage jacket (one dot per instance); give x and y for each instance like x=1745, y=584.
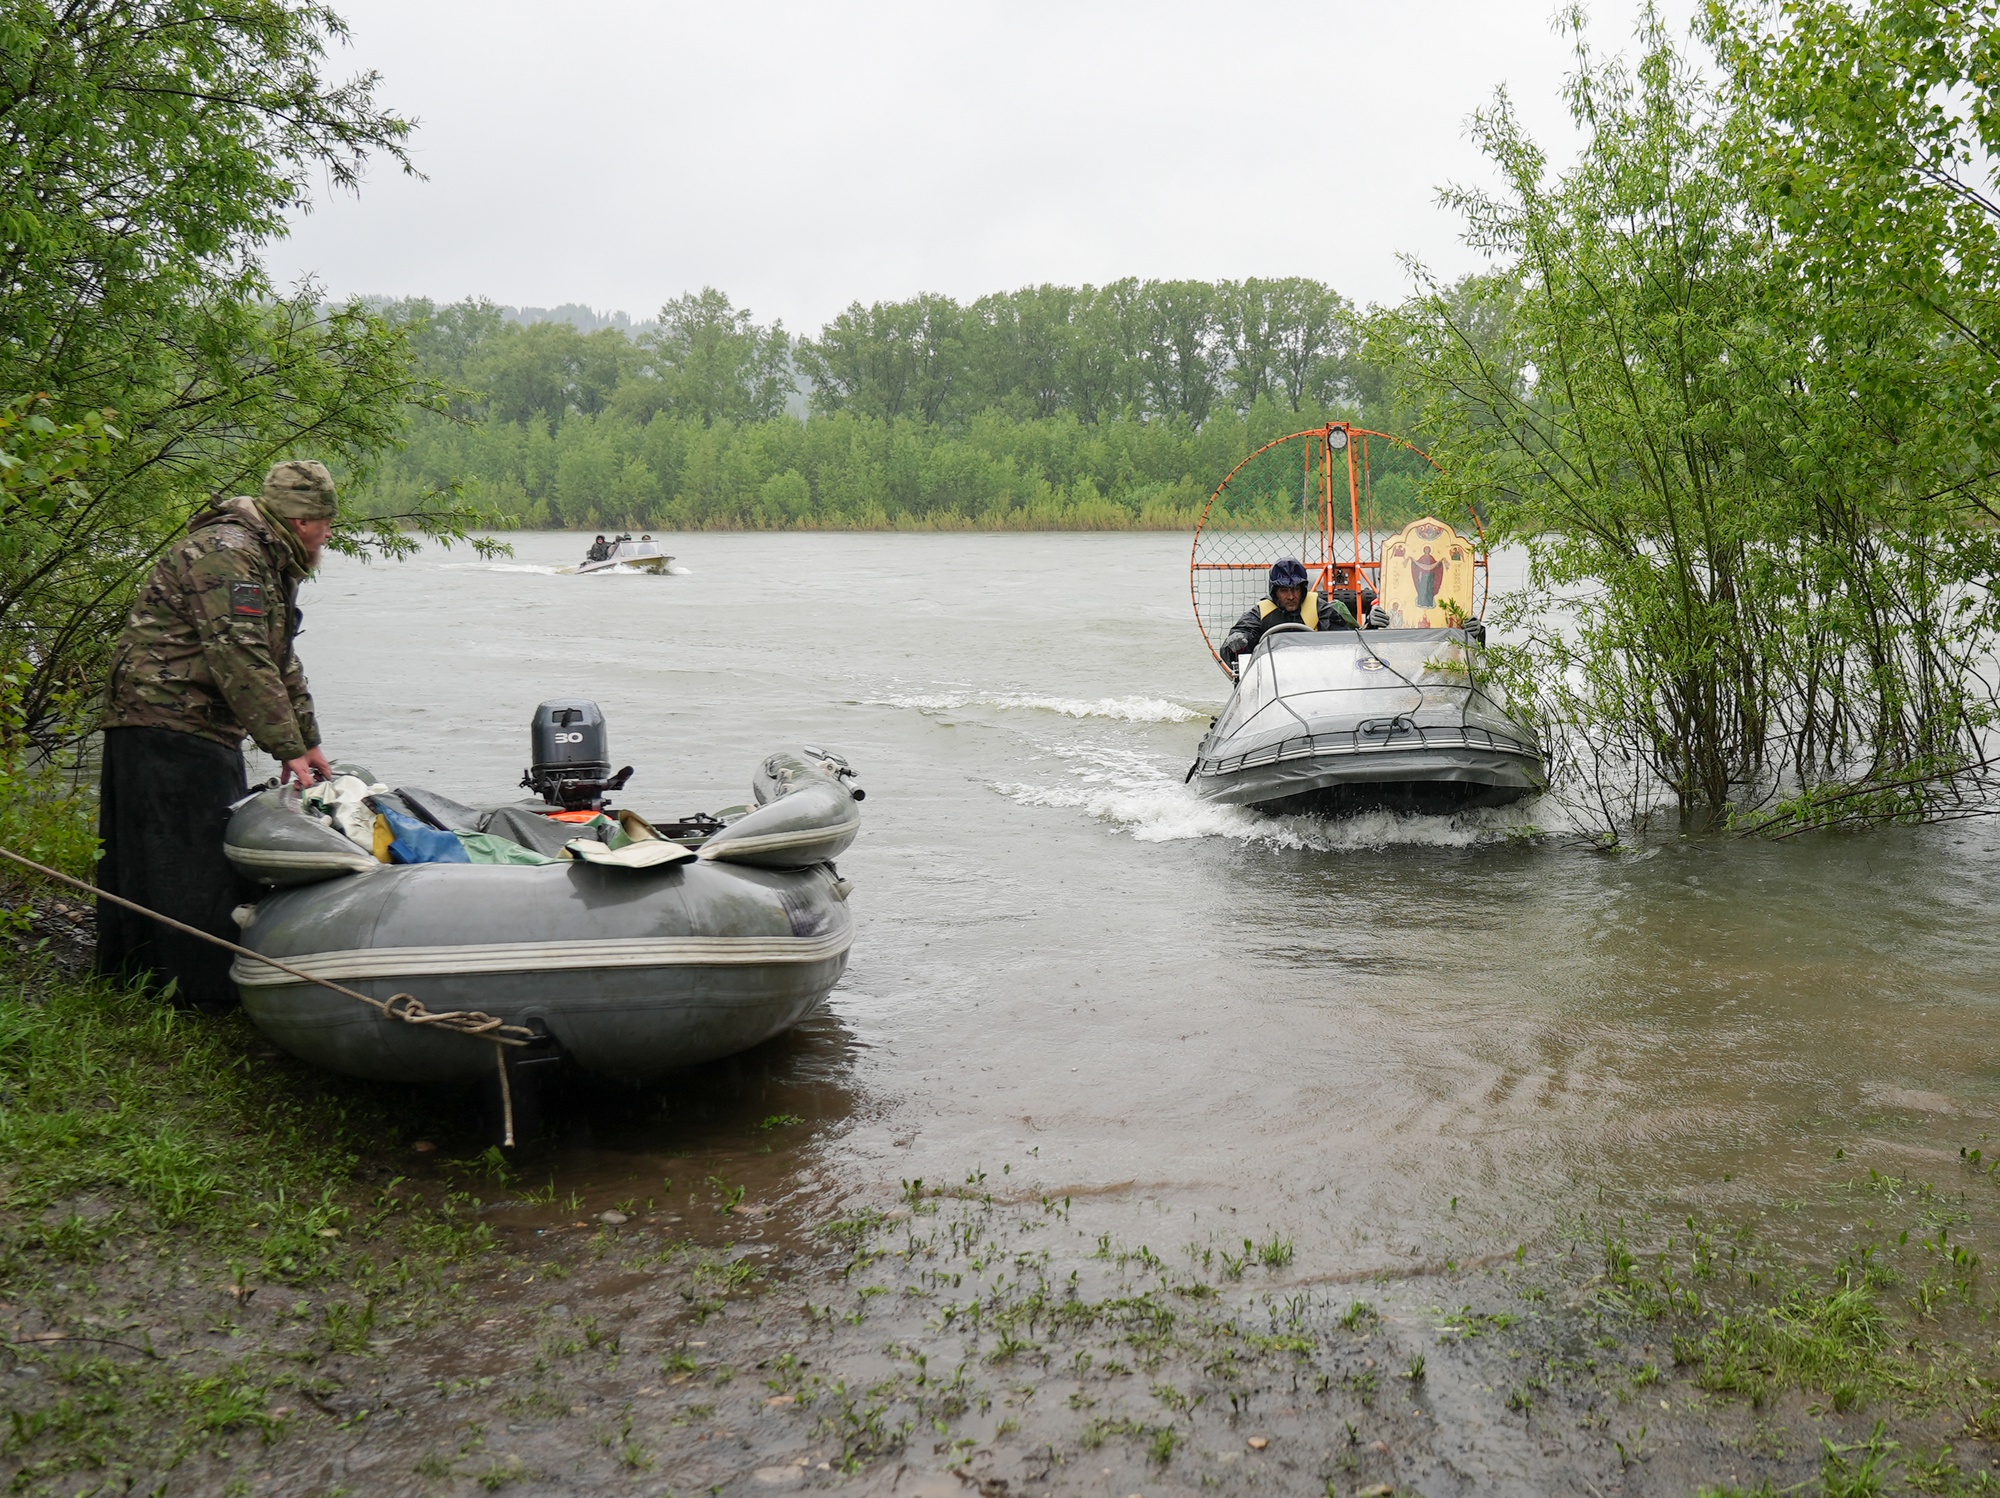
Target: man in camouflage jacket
x=206, y=657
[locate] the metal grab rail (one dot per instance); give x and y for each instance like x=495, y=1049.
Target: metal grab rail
x=1401, y=723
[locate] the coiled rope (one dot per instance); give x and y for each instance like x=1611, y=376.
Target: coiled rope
x=404, y=1007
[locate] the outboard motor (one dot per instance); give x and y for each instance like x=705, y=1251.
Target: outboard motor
x=572, y=756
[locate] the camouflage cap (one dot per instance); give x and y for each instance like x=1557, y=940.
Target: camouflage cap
x=300, y=490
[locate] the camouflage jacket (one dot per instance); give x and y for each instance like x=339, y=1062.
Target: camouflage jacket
x=207, y=649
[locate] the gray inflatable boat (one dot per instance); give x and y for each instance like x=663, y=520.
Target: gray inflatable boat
x=629, y=949
x=1349, y=720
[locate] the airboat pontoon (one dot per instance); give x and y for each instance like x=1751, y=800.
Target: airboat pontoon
x=1333, y=721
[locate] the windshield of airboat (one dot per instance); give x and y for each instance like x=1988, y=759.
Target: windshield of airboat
x=1314, y=682
x=1298, y=680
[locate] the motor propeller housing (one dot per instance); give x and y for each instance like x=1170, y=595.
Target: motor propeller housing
x=571, y=753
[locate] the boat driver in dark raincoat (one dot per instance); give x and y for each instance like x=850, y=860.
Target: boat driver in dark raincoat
x=1290, y=602
x=599, y=550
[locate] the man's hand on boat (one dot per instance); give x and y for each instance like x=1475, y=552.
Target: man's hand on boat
x=308, y=769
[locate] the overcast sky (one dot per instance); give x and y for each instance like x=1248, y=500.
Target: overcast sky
x=803, y=156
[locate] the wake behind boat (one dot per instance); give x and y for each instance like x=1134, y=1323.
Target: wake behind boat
x=1359, y=680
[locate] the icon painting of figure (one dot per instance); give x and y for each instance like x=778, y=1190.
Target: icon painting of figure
x=1427, y=572
x=1427, y=576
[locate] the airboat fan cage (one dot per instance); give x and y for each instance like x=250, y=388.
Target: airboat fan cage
x=1309, y=495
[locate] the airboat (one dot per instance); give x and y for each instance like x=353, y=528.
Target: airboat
x=1399, y=716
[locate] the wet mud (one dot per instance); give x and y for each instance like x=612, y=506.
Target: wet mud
x=684, y=1292
x=980, y=1337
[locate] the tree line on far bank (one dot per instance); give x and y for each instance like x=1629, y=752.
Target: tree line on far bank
x=1051, y=407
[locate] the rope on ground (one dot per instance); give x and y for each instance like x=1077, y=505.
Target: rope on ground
x=402, y=1006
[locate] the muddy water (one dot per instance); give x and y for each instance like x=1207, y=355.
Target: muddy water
x=1394, y=1041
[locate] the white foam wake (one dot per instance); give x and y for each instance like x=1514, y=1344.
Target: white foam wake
x=500, y=567
x=1139, y=795
x=1124, y=709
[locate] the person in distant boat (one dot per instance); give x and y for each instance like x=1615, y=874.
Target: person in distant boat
x=1290, y=602
x=206, y=658
x=600, y=550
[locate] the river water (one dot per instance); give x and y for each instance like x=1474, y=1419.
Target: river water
x=1391, y=1040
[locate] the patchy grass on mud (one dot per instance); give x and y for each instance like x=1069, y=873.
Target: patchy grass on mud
x=1594, y=1368
x=1879, y=1368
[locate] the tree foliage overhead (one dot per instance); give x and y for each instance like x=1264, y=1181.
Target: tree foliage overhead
x=148, y=148
x=1866, y=137
x=1754, y=577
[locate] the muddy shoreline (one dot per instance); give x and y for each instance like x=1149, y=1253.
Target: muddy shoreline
x=946, y=1343
x=445, y=1320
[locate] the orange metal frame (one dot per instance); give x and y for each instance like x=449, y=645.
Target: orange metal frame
x=1334, y=577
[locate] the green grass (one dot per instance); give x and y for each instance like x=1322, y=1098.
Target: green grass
x=165, y=1121
x=1900, y=1320
x=1760, y=1328
x=144, y=1151
x=1274, y=1252
x=1826, y=1338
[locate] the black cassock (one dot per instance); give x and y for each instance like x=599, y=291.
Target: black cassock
x=163, y=806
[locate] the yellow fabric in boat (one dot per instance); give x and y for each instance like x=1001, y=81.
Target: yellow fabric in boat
x=636, y=829
x=1308, y=609
x=383, y=837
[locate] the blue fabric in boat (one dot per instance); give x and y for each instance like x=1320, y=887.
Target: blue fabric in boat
x=413, y=842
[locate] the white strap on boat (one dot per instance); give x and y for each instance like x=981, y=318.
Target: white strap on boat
x=278, y=858
x=473, y=959
x=768, y=842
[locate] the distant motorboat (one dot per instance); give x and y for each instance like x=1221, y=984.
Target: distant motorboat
x=642, y=555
